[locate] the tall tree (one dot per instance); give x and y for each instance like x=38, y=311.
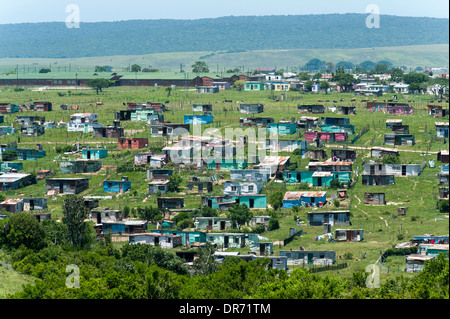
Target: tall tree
x=136, y=68
x=99, y=84
x=200, y=67
x=239, y=215
x=74, y=214
x=22, y=229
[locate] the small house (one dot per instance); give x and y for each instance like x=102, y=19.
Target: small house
x=443, y=176
x=79, y=166
x=4, y=130
x=33, y=130
x=91, y=153
x=251, y=200
x=170, y=202
x=212, y=223
x=275, y=164
x=443, y=192
x=255, y=121
x=303, y=198
x=109, y=131
x=242, y=188
x=11, y=181
x=7, y=167
x=141, y=115
x=404, y=109
x=227, y=240
x=313, y=109
x=187, y=237
x=430, y=239
x=8, y=108
x=198, y=119
x=201, y=184
x=316, y=178
x=415, y=262
x=12, y=205
x=42, y=106
x=159, y=174
x=375, y=198
x=378, y=180
x=253, y=86
x=250, y=175
x=345, y=128
x=315, y=154
x=202, y=108
x=44, y=173
x=169, y=129
x=124, y=227
x=226, y=164
x=123, y=115
x=433, y=249
x=443, y=156
x=278, y=145
x=207, y=89
x=392, y=169
x=308, y=122
x=441, y=129
x=310, y=257
x=218, y=202
x=400, y=129
x=335, y=121
x=82, y=127
x=28, y=120
x=343, y=155
x=84, y=118
x=437, y=111
x=56, y=186
x=329, y=137
x=336, y=217
x=251, y=108
x=401, y=211
x=158, y=185
x=2, y=118
x=379, y=152
x=391, y=122
x=156, y=239
x=132, y=143
x=117, y=186
x=222, y=85
x=346, y=110
x=34, y=203
x=330, y=166
x=262, y=248
x=282, y=128
x=348, y=235
x=105, y=215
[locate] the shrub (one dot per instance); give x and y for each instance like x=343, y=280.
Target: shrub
x=273, y=224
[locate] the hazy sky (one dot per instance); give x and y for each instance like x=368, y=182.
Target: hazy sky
x=19, y=11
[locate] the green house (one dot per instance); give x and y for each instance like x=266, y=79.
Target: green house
x=88, y=153
x=282, y=128
x=141, y=115
x=347, y=128
x=226, y=164
x=315, y=178
x=252, y=201
x=253, y=86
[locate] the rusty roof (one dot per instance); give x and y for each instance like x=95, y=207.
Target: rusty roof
x=275, y=160
x=330, y=163
x=11, y=201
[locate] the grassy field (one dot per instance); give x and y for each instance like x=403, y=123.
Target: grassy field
x=435, y=55
x=382, y=227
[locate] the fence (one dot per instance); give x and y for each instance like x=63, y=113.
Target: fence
x=288, y=240
x=361, y=133
x=315, y=269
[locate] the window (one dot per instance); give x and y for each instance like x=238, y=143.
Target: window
x=322, y=256
x=250, y=188
x=233, y=188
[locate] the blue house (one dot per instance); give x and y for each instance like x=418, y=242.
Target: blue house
x=198, y=119
x=187, y=237
x=9, y=166
x=335, y=121
x=7, y=130
x=315, y=178
x=117, y=186
x=88, y=153
x=282, y=128
x=124, y=227
x=306, y=199
x=1, y=118
x=252, y=201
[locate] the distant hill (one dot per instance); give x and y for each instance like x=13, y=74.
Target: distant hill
x=229, y=34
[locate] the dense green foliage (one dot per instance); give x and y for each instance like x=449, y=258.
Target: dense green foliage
x=241, y=33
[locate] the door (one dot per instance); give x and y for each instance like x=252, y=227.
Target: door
x=61, y=188
x=262, y=249
x=99, y=218
x=210, y=203
x=310, y=258
x=403, y=170
x=372, y=170
x=319, y=181
x=88, y=155
x=156, y=240
x=222, y=225
x=252, y=202
x=225, y=242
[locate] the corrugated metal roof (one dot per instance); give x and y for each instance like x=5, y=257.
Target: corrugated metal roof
x=275, y=160
x=11, y=201
x=322, y=174
x=330, y=163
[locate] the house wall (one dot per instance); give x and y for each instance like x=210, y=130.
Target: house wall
x=377, y=180
x=254, y=175
x=230, y=188
x=320, y=257
x=68, y=186
x=116, y=186
x=336, y=218
x=392, y=169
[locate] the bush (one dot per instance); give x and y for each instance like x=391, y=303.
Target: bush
x=273, y=224
x=348, y=256
x=337, y=203
x=443, y=206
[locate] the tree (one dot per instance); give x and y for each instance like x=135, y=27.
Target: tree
x=315, y=65
x=205, y=264
x=443, y=206
x=415, y=77
x=239, y=215
x=9, y=155
x=174, y=183
x=99, y=84
x=379, y=69
x=45, y=70
x=368, y=65
x=303, y=76
x=239, y=84
x=273, y=224
x=168, y=90
x=343, y=79
x=346, y=65
x=439, y=86
x=276, y=200
x=150, y=214
x=200, y=67
x=135, y=68
x=74, y=214
x=396, y=74
x=99, y=68
x=308, y=85
x=317, y=76
x=22, y=229
x=324, y=85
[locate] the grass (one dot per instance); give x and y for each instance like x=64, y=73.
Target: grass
x=380, y=223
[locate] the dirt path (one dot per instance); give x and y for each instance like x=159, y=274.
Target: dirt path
x=385, y=221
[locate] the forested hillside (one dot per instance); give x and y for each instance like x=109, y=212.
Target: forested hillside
x=230, y=34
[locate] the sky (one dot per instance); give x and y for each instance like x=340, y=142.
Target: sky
x=21, y=11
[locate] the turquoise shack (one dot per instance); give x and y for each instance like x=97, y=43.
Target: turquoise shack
x=315, y=178
x=88, y=153
x=226, y=164
x=282, y=128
